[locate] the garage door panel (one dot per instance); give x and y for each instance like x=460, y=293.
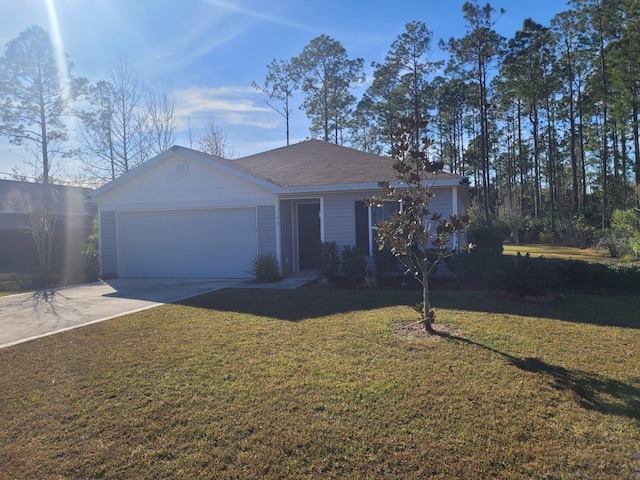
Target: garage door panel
x=189, y=243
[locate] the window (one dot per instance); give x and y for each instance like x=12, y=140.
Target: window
x=366, y=219
x=380, y=214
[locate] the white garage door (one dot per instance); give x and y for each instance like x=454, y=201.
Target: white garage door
x=187, y=243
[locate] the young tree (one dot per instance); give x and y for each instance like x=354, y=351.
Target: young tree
x=36, y=88
x=326, y=76
x=42, y=227
x=417, y=237
x=279, y=85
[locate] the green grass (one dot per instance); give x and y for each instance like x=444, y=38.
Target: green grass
x=557, y=251
x=312, y=383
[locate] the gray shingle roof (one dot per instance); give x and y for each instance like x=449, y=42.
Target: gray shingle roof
x=316, y=162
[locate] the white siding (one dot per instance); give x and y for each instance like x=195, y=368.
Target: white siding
x=267, y=229
x=203, y=186
x=339, y=213
x=442, y=202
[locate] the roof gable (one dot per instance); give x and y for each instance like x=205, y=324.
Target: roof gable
x=187, y=153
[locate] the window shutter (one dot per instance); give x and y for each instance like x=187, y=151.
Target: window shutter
x=362, y=228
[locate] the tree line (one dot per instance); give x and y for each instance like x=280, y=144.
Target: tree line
x=545, y=124
x=120, y=121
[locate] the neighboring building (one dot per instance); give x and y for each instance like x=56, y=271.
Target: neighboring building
x=188, y=214
x=73, y=214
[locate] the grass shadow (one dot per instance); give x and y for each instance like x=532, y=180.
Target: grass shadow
x=302, y=303
x=592, y=391
x=299, y=304
x=603, y=310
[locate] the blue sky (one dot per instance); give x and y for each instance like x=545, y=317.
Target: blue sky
x=207, y=52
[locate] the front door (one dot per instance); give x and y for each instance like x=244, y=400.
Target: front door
x=309, y=236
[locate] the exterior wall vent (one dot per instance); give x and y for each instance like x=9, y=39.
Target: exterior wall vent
x=181, y=169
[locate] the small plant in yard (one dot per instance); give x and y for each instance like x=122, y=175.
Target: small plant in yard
x=416, y=236
x=524, y=275
x=91, y=254
x=323, y=282
x=329, y=259
x=369, y=281
x=387, y=264
x=265, y=268
x=353, y=262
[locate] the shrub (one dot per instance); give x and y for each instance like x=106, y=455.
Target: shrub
x=369, y=281
x=523, y=274
x=353, y=262
x=488, y=237
x=265, y=268
x=575, y=231
x=387, y=264
x=613, y=243
x=329, y=259
x=323, y=282
x=623, y=239
x=91, y=254
x=479, y=266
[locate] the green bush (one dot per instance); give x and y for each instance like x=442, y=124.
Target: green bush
x=478, y=267
x=577, y=275
x=623, y=239
x=353, y=262
x=329, y=259
x=369, y=281
x=91, y=254
x=575, y=231
x=386, y=264
x=524, y=275
x=490, y=238
x=265, y=268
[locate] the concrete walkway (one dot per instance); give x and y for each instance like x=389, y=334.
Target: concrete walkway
x=27, y=316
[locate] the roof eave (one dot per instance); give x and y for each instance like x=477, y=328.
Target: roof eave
x=350, y=187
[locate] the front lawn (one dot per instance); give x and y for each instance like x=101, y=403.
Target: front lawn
x=590, y=255
x=314, y=383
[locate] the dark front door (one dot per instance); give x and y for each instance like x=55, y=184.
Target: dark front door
x=309, y=236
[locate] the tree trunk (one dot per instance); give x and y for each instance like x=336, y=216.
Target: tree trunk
x=427, y=317
x=533, y=116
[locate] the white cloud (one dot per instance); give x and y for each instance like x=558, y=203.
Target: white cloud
x=227, y=105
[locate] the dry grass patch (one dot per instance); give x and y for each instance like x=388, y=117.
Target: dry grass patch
x=313, y=383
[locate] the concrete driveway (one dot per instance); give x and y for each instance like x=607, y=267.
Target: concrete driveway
x=27, y=316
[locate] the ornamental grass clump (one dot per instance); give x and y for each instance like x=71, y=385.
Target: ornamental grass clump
x=265, y=268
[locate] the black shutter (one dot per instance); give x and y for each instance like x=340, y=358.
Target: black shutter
x=362, y=228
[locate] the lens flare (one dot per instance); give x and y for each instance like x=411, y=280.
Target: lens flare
x=61, y=60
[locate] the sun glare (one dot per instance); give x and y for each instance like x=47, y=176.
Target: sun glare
x=56, y=37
